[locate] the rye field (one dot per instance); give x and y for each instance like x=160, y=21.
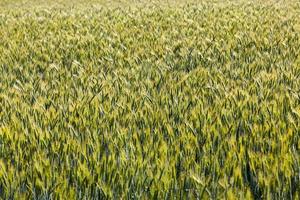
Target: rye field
x=149, y=99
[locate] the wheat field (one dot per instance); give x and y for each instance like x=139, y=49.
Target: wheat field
x=149, y=99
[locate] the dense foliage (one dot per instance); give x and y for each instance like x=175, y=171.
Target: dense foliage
x=150, y=101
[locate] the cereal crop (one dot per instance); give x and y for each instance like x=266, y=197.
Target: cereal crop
x=149, y=99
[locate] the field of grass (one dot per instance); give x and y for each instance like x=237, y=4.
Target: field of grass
x=149, y=99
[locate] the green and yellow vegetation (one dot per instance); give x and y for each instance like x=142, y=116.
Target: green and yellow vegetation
x=149, y=100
